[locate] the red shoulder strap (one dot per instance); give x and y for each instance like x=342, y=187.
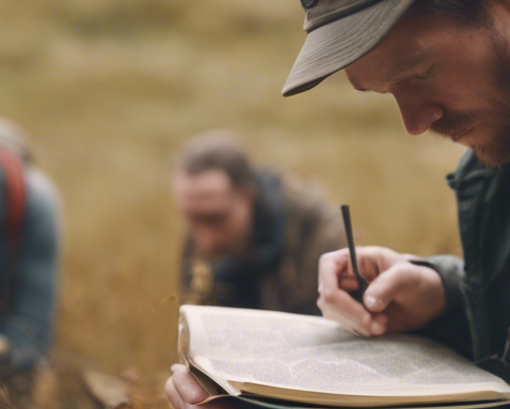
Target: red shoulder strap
x=12, y=167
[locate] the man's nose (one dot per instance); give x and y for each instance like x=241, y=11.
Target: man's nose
x=418, y=115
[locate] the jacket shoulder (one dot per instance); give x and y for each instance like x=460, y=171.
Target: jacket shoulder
x=308, y=211
x=305, y=197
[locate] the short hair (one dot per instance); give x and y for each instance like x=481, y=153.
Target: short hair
x=217, y=150
x=466, y=12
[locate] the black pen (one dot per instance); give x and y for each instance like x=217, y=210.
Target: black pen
x=362, y=284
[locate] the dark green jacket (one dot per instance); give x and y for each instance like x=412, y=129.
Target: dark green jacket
x=478, y=288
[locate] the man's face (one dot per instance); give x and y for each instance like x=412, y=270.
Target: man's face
x=446, y=78
x=219, y=216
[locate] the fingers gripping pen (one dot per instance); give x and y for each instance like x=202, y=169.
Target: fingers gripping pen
x=362, y=284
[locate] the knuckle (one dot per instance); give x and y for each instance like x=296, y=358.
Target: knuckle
x=365, y=320
x=327, y=296
x=400, y=267
x=320, y=303
x=403, y=275
x=332, y=256
x=325, y=258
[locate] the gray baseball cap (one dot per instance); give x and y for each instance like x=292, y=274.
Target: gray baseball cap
x=339, y=33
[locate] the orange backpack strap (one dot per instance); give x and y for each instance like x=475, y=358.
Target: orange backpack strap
x=15, y=195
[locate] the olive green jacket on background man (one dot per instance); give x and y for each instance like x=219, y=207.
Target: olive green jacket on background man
x=477, y=319
x=294, y=226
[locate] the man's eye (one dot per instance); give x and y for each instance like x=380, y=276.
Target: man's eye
x=425, y=74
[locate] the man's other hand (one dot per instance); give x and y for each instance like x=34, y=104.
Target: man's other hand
x=401, y=296
x=184, y=392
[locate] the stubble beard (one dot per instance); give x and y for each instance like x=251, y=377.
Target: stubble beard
x=497, y=154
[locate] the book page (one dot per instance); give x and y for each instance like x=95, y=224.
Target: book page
x=314, y=354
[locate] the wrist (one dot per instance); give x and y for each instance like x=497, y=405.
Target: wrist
x=438, y=296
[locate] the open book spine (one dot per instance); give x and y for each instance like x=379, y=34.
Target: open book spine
x=213, y=388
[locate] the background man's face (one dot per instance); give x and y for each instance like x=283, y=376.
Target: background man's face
x=219, y=216
x=446, y=78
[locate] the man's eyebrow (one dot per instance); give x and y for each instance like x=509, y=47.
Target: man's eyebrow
x=402, y=70
x=399, y=72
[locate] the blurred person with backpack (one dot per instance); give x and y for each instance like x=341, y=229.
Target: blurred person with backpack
x=28, y=260
x=256, y=235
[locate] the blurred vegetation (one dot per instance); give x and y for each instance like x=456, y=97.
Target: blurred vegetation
x=110, y=89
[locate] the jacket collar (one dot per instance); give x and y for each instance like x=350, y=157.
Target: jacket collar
x=471, y=170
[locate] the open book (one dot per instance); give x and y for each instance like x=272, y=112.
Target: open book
x=311, y=360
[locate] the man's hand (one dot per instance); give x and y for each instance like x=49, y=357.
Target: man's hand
x=184, y=392
x=401, y=296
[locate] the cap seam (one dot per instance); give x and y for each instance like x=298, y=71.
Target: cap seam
x=324, y=20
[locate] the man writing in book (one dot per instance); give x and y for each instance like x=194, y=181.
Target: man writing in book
x=446, y=63
x=256, y=235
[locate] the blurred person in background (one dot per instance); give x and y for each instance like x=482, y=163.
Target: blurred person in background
x=28, y=259
x=256, y=235
x=447, y=64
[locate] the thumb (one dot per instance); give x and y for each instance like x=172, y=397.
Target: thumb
x=388, y=285
x=187, y=386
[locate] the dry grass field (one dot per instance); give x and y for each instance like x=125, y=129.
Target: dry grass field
x=110, y=89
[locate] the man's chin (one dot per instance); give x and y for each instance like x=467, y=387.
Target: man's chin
x=492, y=158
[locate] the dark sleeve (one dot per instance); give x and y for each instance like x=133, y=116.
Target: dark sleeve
x=451, y=271
x=186, y=264
x=29, y=324
x=452, y=327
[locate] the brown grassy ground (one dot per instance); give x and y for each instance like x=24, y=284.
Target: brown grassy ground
x=110, y=89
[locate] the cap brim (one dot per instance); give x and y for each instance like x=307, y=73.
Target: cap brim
x=334, y=46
